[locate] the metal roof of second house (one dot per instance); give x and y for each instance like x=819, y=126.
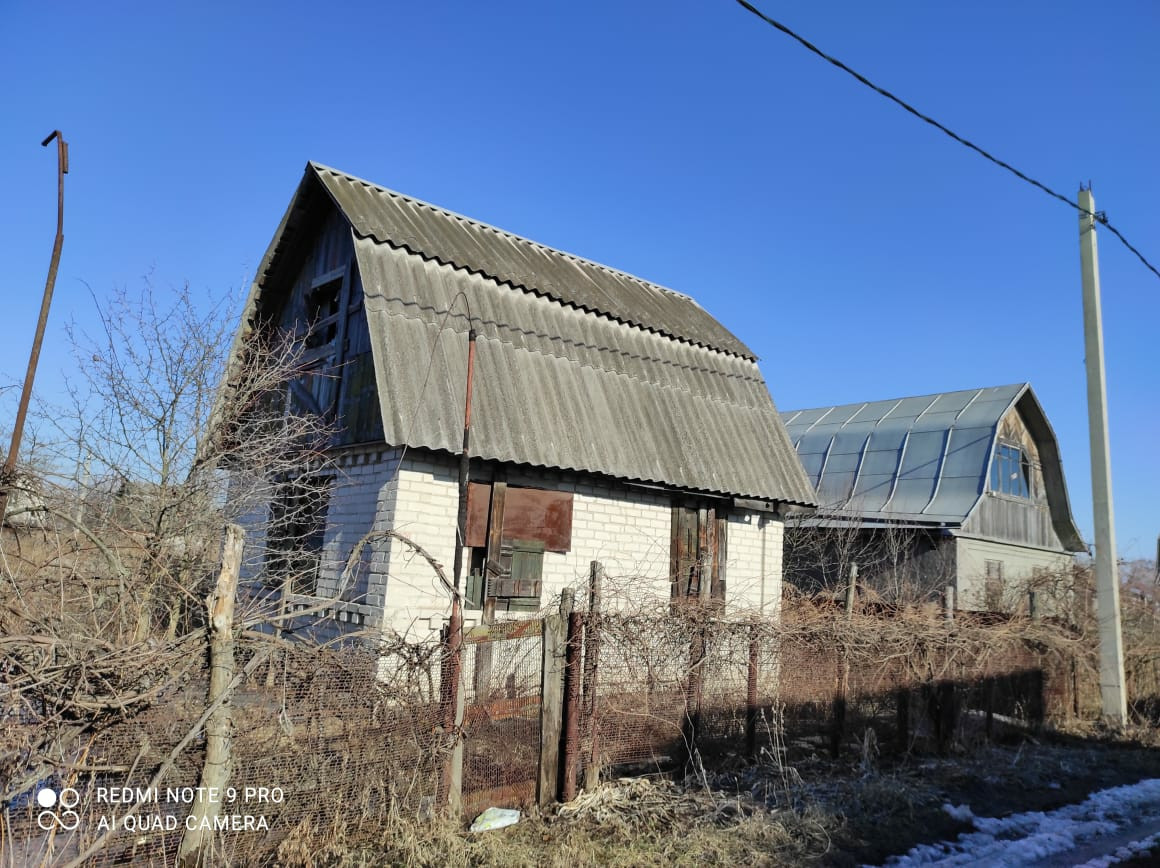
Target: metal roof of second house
x=923, y=459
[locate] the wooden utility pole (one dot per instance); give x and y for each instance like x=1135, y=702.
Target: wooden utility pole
x=8, y=474
x=1112, y=692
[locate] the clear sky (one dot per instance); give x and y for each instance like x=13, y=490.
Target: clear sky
x=858, y=252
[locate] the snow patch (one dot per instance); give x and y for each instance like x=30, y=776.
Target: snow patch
x=1021, y=839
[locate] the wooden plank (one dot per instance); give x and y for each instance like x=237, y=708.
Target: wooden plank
x=675, y=552
x=503, y=630
x=339, y=362
x=501, y=709
x=706, y=547
x=720, y=557
x=573, y=650
x=551, y=707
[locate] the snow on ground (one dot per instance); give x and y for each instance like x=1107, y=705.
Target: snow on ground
x=1030, y=838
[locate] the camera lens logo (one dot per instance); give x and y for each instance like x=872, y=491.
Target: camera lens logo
x=64, y=817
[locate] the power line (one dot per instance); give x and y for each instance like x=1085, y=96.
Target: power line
x=1099, y=216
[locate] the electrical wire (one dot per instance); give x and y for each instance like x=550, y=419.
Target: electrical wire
x=1098, y=216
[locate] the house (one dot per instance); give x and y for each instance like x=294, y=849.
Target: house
x=613, y=420
x=962, y=488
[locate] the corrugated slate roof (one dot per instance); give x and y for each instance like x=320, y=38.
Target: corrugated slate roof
x=578, y=366
x=451, y=239
x=923, y=459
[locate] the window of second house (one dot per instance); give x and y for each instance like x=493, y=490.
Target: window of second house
x=1011, y=471
x=993, y=586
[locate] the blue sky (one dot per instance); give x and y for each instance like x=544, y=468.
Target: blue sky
x=861, y=254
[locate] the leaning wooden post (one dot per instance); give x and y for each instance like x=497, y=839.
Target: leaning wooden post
x=215, y=772
x=838, y=732
x=551, y=704
x=591, y=661
x=572, y=677
x=751, y=695
x=451, y=712
x=694, y=686
x=949, y=603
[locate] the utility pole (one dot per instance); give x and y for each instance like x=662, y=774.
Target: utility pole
x=8, y=474
x=1112, y=692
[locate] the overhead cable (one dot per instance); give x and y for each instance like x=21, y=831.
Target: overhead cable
x=1099, y=216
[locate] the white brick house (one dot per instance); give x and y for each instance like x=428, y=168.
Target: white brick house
x=613, y=420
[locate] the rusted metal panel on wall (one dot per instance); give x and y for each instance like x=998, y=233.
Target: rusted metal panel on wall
x=529, y=513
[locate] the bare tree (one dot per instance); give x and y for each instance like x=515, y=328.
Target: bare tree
x=175, y=425
x=895, y=564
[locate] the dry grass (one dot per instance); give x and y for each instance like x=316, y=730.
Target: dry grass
x=628, y=823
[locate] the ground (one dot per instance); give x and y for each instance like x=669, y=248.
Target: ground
x=817, y=812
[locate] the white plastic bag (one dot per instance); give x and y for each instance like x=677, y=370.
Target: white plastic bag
x=495, y=818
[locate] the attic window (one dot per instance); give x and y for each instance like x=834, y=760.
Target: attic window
x=1011, y=471
x=322, y=314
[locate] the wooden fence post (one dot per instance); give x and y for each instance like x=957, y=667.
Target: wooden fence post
x=751, y=695
x=694, y=687
x=451, y=696
x=572, y=678
x=838, y=729
x=902, y=717
x=218, y=764
x=591, y=662
x=551, y=707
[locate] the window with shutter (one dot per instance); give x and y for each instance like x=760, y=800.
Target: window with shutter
x=509, y=528
x=697, y=553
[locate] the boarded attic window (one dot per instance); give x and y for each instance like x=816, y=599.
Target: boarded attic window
x=322, y=314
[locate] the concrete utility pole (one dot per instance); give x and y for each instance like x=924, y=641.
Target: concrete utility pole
x=1112, y=691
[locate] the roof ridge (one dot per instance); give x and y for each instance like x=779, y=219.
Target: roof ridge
x=504, y=232
x=978, y=389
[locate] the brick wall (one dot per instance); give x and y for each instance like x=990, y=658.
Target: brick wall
x=626, y=529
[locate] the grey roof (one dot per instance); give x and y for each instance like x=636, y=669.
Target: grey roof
x=921, y=460
x=578, y=366
x=451, y=239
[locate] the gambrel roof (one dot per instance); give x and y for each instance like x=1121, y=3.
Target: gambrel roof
x=922, y=460
x=578, y=366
